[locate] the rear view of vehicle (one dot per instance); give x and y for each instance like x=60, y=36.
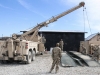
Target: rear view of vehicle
x=11, y=50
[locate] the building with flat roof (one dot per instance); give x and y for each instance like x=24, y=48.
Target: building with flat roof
x=71, y=39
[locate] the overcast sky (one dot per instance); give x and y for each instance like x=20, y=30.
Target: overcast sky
x=18, y=15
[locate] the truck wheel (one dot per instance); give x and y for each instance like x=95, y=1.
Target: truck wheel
x=33, y=56
x=29, y=57
x=4, y=61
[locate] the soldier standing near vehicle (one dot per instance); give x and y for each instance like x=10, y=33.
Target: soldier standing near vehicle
x=56, y=56
x=84, y=51
x=96, y=53
x=61, y=43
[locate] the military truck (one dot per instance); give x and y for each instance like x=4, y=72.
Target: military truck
x=25, y=46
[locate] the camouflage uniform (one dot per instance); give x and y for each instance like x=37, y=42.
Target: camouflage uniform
x=91, y=49
x=83, y=50
x=96, y=52
x=56, y=55
x=61, y=43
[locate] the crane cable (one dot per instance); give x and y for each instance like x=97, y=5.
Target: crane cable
x=84, y=19
x=84, y=9
x=88, y=20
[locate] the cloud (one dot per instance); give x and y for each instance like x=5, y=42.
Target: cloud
x=29, y=7
x=24, y=4
x=5, y=7
x=92, y=9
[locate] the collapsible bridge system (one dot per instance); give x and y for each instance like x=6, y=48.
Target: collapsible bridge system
x=73, y=59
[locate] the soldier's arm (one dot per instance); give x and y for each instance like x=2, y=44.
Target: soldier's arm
x=60, y=53
x=53, y=53
x=63, y=42
x=59, y=43
x=17, y=40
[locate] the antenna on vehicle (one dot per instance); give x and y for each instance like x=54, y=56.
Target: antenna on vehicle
x=2, y=36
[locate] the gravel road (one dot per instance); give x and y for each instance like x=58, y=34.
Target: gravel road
x=41, y=66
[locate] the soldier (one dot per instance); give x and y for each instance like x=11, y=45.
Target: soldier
x=61, y=43
x=83, y=49
x=56, y=56
x=91, y=48
x=96, y=53
x=14, y=36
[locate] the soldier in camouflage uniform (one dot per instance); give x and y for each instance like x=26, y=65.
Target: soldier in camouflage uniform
x=83, y=49
x=56, y=56
x=91, y=48
x=96, y=52
x=61, y=43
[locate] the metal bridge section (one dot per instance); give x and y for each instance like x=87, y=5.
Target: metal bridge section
x=84, y=59
x=67, y=61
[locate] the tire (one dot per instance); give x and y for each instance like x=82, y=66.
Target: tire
x=4, y=61
x=29, y=57
x=33, y=56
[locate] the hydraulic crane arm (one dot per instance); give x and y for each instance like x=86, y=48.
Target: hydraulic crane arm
x=45, y=23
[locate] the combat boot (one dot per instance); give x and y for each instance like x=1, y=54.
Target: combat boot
x=57, y=68
x=50, y=71
x=56, y=71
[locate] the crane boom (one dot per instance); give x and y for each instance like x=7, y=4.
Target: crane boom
x=53, y=19
x=24, y=47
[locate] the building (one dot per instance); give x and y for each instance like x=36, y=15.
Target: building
x=93, y=37
x=71, y=39
x=4, y=38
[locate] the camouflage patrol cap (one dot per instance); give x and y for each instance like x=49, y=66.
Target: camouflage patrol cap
x=57, y=44
x=14, y=36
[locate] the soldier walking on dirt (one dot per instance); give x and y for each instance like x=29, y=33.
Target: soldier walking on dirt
x=56, y=56
x=61, y=43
